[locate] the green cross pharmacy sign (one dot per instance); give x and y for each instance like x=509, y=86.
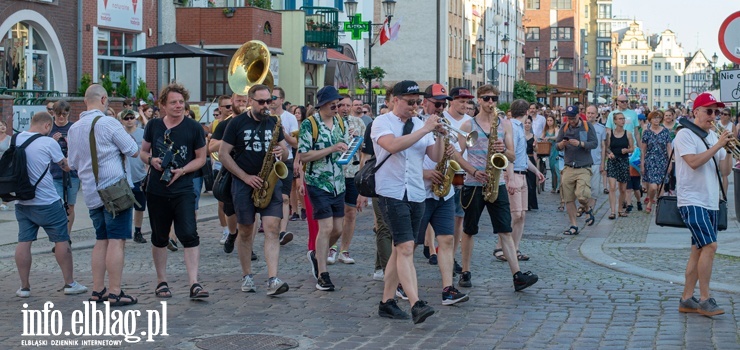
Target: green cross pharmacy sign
x=356, y=26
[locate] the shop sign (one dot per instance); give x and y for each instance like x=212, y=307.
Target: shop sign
x=314, y=55
x=123, y=14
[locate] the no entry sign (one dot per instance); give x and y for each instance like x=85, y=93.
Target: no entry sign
x=729, y=37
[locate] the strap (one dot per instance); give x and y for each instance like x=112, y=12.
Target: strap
x=660, y=188
x=716, y=169
x=383, y=162
x=702, y=134
x=27, y=142
x=93, y=149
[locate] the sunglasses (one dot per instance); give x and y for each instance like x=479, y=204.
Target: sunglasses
x=50, y=109
x=226, y=106
x=129, y=118
x=333, y=107
x=262, y=102
x=713, y=111
x=413, y=102
x=622, y=101
x=275, y=97
x=440, y=104
x=489, y=98
x=364, y=112
x=724, y=113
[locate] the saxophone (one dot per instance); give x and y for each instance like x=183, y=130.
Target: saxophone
x=495, y=165
x=447, y=167
x=272, y=170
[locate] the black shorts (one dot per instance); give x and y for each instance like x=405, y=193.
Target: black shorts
x=163, y=211
x=402, y=217
x=140, y=197
x=244, y=204
x=473, y=204
x=288, y=180
x=229, y=208
x=325, y=205
x=350, y=192
x=634, y=183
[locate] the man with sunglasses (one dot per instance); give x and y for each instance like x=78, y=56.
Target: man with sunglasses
x=221, y=113
x=138, y=172
x=66, y=184
x=249, y=135
x=402, y=141
x=324, y=178
x=290, y=124
x=697, y=190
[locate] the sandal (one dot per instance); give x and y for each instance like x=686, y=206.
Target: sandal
x=590, y=220
x=163, y=291
x=521, y=257
x=499, y=254
x=612, y=216
x=100, y=296
x=561, y=207
x=606, y=191
x=131, y=300
x=623, y=214
x=572, y=231
x=580, y=212
x=197, y=291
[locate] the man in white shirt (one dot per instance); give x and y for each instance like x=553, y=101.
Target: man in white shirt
x=697, y=189
x=538, y=120
x=290, y=125
x=45, y=209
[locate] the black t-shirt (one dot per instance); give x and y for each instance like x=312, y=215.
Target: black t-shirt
x=218, y=134
x=367, y=146
x=185, y=138
x=250, y=139
x=54, y=169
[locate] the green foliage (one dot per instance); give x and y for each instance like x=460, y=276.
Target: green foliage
x=141, y=91
x=504, y=106
x=107, y=84
x=123, y=90
x=85, y=83
x=366, y=74
x=263, y=4
x=524, y=90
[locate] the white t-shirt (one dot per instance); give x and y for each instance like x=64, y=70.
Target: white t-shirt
x=457, y=124
x=402, y=172
x=538, y=125
x=429, y=164
x=699, y=187
x=290, y=124
x=39, y=154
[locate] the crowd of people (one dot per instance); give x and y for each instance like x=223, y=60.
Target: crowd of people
x=449, y=156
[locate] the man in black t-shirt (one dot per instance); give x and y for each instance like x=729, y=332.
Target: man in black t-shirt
x=249, y=135
x=174, y=146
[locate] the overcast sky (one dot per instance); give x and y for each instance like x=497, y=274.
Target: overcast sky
x=696, y=23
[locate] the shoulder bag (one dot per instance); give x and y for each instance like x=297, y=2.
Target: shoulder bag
x=365, y=178
x=119, y=196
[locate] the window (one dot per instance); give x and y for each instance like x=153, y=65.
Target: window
x=667, y=66
x=605, y=11
x=623, y=76
x=585, y=47
x=656, y=92
x=643, y=77
x=644, y=59
x=533, y=64
x=604, y=67
x=111, y=46
x=677, y=79
x=604, y=30
x=677, y=66
x=633, y=59
x=667, y=53
x=657, y=78
x=561, y=33
x=633, y=44
x=215, y=82
x=657, y=66
x=533, y=33
x=605, y=48
x=667, y=92
x=560, y=4
x=677, y=92
x=623, y=59
x=667, y=79
x=585, y=11
x=533, y=4
x=633, y=77
x=564, y=65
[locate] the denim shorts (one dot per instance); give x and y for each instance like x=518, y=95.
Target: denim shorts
x=178, y=210
x=108, y=227
x=459, y=212
x=51, y=217
x=325, y=205
x=402, y=217
x=140, y=197
x=499, y=210
x=441, y=215
x=244, y=204
x=72, y=189
x=350, y=192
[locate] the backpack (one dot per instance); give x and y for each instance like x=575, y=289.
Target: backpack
x=15, y=183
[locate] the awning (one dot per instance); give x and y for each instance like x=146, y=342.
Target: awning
x=334, y=55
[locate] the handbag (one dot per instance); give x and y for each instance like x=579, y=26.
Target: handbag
x=117, y=197
x=365, y=178
x=222, y=186
x=666, y=211
x=207, y=173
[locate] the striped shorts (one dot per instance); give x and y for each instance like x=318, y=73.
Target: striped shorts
x=702, y=223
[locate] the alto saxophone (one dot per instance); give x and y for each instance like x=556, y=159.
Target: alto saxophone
x=495, y=165
x=272, y=170
x=447, y=167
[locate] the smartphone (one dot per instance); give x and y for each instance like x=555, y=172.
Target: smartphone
x=566, y=138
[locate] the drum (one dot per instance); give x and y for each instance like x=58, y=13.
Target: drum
x=543, y=148
x=459, y=178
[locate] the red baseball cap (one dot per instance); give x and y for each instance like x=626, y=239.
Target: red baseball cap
x=461, y=92
x=706, y=99
x=437, y=92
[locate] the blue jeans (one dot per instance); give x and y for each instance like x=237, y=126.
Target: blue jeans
x=107, y=227
x=51, y=217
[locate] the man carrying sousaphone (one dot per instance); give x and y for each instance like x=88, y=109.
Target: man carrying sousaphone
x=253, y=136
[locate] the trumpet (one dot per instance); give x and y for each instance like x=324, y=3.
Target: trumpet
x=470, y=137
x=732, y=146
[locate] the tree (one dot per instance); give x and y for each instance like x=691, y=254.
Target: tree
x=524, y=90
x=263, y=4
x=123, y=90
x=142, y=94
x=85, y=83
x=107, y=84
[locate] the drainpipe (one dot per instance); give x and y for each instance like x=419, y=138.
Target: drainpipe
x=439, y=47
x=159, y=42
x=79, y=44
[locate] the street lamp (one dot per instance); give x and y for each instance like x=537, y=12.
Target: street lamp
x=351, y=8
x=481, y=43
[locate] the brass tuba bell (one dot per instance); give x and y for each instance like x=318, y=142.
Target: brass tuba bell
x=250, y=66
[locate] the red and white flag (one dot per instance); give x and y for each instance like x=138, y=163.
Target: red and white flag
x=605, y=81
x=553, y=63
x=385, y=34
x=587, y=76
x=505, y=59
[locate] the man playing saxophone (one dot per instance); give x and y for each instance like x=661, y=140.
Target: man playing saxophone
x=253, y=138
x=473, y=198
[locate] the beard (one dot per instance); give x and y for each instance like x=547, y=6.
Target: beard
x=262, y=113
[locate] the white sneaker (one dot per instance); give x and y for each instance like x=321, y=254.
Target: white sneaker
x=3, y=207
x=224, y=237
x=23, y=293
x=345, y=258
x=248, y=284
x=275, y=286
x=332, y=258
x=379, y=275
x=74, y=288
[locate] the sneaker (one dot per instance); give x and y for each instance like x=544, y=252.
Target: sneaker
x=458, y=268
x=74, y=288
x=248, y=284
x=524, y=280
x=229, y=244
x=303, y=214
x=451, y=296
x=314, y=263
x=688, y=305
x=465, y=280
x=390, y=309
x=224, y=237
x=629, y=208
x=639, y=206
x=379, y=275
x=709, y=308
x=295, y=217
x=420, y=311
x=172, y=245
x=139, y=238
x=426, y=252
x=433, y=259
x=324, y=283
x=332, y=258
x=400, y=293
x=275, y=286
x=285, y=237
x=23, y=292
x=345, y=258
x=254, y=256
x=3, y=207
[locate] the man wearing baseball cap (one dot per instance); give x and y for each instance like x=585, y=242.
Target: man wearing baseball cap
x=697, y=189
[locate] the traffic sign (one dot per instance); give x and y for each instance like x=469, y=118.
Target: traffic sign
x=729, y=37
x=729, y=85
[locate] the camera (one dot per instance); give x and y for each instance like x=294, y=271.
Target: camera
x=168, y=163
x=63, y=144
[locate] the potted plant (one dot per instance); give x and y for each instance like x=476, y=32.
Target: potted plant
x=367, y=74
x=378, y=89
x=343, y=89
x=229, y=11
x=359, y=89
x=310, y=24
